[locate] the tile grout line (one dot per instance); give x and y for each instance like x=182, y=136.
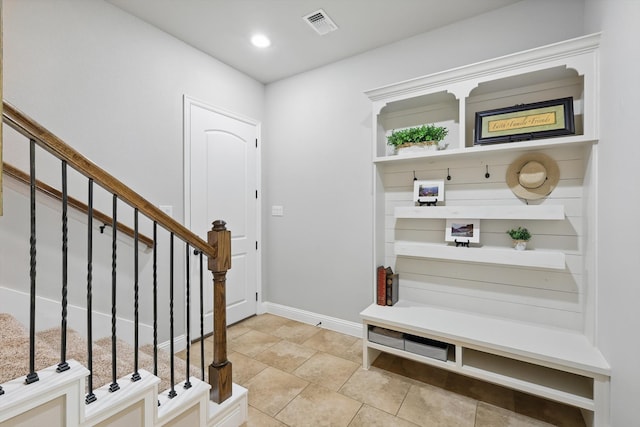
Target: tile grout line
x=403, y=400
x=356, y=414
x=475, y=417
x=289, y=402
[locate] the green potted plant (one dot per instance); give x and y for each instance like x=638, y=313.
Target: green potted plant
x=420, y=138
x=520, y=237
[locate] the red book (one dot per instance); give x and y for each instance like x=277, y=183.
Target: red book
x=381, y=289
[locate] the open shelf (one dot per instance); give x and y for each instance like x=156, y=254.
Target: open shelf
x=450, y=364
x=480, y=150
x=484, y=254
x=562, y=386
x=536, y=212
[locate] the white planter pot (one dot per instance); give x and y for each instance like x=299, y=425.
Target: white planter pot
x=520, y=245
x=420, y=147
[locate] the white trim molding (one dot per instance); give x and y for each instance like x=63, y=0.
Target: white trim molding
x=326, y=322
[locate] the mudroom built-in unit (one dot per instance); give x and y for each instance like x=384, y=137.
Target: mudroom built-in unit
x=524, y=319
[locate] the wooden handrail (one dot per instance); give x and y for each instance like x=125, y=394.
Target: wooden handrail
x=48, y=190
x=51, y=143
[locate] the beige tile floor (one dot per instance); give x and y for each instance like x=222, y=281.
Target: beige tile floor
x=302, y=375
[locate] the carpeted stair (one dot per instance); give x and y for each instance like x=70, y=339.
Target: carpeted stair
x=14, y=350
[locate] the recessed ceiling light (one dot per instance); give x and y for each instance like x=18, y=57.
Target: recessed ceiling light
x=260, y=40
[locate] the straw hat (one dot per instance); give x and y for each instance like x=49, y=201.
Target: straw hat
x=533, y=176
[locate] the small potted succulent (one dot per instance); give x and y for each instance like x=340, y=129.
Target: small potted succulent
x=520, y=237
x=418, y=138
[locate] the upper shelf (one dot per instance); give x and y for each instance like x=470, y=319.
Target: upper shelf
x=499, y=71
x=452, y=98
x=480, y=150
x=535, y=212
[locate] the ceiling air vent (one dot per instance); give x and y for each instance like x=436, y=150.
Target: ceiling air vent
x=320, y=22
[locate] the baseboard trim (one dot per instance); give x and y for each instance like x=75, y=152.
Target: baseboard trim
x=327, y=322
x=179, y=344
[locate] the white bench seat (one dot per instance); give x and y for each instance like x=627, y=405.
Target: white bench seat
x=557, y=364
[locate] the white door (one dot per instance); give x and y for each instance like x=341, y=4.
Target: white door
x=221, y=182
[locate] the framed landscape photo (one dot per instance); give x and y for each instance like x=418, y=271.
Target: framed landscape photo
x=462, y=230
x=428, y=192
x=525, y=121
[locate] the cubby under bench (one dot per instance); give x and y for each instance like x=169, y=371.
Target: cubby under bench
x=556, y=364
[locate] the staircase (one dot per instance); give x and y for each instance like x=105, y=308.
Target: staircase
x=137, y=403
x=52, y=376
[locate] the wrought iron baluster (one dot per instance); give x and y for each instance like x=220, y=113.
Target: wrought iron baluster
x=187, y=383
x=155, y=298
x=201, y=315
x=136, y=374
x=172, y=393
x=114, y=357
x=91, y=397
x=63, y=365
x=32, y=376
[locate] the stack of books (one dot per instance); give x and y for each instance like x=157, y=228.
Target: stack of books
x=387, y=286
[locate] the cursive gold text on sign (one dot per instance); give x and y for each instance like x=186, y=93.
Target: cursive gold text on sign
x=540, y=119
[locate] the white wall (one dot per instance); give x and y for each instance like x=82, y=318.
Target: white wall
x=619, y=290
x=317, y=158
x=111, y=86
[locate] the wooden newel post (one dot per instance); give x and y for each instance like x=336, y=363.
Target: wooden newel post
x=220, y=370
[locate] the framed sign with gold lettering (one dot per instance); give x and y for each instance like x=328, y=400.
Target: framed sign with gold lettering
x=525, y=121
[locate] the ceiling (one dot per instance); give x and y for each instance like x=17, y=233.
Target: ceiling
x=223, y=28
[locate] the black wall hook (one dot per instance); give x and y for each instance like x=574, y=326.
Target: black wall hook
x=414, y=176
x=448, y=175
x=487, y=175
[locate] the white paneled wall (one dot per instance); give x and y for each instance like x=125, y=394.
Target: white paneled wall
x=553, y=297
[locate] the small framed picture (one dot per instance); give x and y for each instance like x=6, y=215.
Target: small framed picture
x=462, y=231
x=428, y=192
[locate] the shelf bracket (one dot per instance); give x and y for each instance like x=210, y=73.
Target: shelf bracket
x=432, y=203
x=463, y=244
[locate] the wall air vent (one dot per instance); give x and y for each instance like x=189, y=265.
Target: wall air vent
x=320, y=22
